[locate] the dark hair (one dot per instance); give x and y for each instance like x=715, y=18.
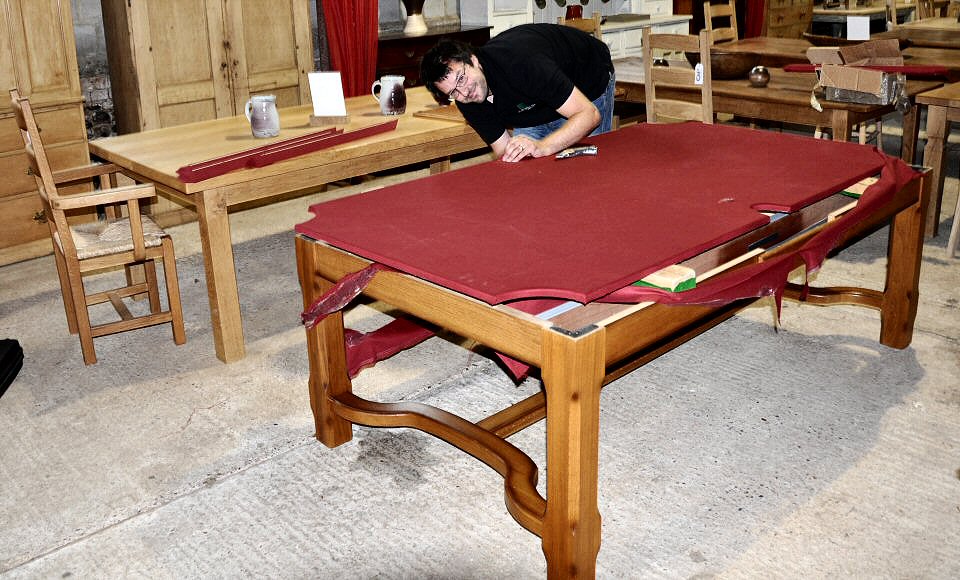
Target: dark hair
x=435, y=64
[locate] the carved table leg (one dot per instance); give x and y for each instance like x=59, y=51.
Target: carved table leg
x=904, y=256
x=573, y=370
x=326, y=353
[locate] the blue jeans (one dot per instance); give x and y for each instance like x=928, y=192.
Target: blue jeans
x=604, y=104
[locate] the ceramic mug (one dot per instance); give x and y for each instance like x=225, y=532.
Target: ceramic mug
x=392, y=96
x=262, y=113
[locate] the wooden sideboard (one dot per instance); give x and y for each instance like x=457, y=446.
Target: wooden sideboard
x=400, y=54
x=38, y=56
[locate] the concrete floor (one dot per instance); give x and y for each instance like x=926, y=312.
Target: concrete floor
x=808, y=451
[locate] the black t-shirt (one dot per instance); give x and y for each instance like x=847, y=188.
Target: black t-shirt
x=531, y=70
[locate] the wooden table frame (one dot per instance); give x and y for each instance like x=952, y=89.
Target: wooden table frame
x=155, y=156
x=940, y=32
x=578, y=352
x=777, y=52
x=787, y=99
x=943, y=108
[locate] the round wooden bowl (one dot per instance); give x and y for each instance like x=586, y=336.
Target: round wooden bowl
x=727, y=65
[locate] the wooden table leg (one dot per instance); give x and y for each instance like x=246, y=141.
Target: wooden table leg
x=439, y=165
x=221, y=275
x=911, y=131
x=904, y=255
x=933, y=158
x=573, y=369
x=840, y=125
x=326, y=353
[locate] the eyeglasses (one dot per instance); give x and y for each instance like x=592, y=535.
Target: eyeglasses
x=461, y=78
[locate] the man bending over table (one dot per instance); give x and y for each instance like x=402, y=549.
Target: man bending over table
x=552, y=84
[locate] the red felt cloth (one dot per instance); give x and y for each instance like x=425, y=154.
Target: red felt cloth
x=583, y=227
x=365, y=349
x=761, y=279
x=278, y=151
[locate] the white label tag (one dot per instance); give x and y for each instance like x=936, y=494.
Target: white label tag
x=698, y=74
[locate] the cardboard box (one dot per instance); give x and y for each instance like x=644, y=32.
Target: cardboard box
x=843, y=80
x=859, y=85
x=874, y=52
x=853, y=79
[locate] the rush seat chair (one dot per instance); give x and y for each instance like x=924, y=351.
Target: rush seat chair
x=658, y=105
x=125, y=239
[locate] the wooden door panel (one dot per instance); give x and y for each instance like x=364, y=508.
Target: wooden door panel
x=271, y=50
x=40, y=44
x=180, y=60
x=8, y=74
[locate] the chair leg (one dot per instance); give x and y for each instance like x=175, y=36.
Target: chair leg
x=863, y=134
x=83, y=318
x=954, y=234
x=173, y=292
x=153, y=290
x=135, y=275
x=954, y=239
x=69, y=307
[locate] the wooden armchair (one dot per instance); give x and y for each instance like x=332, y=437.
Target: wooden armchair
x=85, y=248
x=589, y=25
x=727, y=12
x=654, y=45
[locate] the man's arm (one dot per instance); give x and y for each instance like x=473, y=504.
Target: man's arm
x=582, y=117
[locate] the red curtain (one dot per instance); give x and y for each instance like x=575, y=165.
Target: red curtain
x=754, y=23
x=352, y=37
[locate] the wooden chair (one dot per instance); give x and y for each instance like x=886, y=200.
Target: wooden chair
x=589, y=25
x=655, y=45
x=891, y=13
x=117, y=241
x=727, y=10
x=925, y=9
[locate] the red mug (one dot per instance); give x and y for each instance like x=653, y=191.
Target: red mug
x=574, y=12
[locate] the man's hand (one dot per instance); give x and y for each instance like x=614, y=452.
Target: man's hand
x=522, y=146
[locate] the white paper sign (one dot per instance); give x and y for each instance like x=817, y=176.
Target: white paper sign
x=858, y=28
x=698, y=74
x=326, y=90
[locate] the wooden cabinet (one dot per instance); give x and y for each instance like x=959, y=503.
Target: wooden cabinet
x=179, y=61
x=37, y=55
x=787, y=18
x=399, y=54
x=498, y=14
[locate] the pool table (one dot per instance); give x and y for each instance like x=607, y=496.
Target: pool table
x=536, y=260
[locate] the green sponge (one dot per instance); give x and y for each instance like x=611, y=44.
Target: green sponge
x=675, y=278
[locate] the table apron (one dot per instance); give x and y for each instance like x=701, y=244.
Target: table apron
x=801, y=114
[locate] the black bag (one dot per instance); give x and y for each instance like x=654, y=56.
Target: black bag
x=11, y=361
